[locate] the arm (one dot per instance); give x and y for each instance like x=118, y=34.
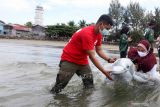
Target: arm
x=153, y=72
x=100, y=52
x=95, y=61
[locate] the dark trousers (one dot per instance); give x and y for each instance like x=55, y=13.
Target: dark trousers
x=123, y=54
x=67, y=70
x=159, y=54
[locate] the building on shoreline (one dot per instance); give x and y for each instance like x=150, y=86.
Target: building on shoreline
x=2, y=27
x=21, y=31
x=38, y=31
x=16, y=30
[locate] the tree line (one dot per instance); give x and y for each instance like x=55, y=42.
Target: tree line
x=63, y=31
x=134, y=16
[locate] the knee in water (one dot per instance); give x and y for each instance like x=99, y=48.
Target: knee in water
x=87, y=76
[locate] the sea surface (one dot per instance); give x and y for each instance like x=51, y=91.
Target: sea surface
x=28, y=72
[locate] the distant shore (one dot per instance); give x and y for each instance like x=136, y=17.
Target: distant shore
x=58, y=44
x=49, y=43
x=35, y=42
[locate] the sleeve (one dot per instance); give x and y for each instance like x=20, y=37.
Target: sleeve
x=99, y=41
x=87, y=41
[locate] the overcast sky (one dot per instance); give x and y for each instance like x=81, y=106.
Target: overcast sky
x=61, y=11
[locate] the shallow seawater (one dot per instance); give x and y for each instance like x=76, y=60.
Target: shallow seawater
x=28, y=72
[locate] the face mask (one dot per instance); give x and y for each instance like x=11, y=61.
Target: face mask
x=142, y=54
x=104, y=32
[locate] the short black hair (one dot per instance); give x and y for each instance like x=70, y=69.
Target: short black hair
x=124, y=30
x=106, y=19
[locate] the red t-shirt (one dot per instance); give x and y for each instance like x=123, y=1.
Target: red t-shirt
x=82, y=40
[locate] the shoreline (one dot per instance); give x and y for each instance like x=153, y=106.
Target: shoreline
x=57, y=44
x=35, y=42
x=50, y=43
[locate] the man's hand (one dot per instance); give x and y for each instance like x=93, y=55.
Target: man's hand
x=129, y=39
x=107, y=73
x=112, y=60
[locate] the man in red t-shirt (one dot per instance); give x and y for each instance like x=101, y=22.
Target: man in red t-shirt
x=83, y=44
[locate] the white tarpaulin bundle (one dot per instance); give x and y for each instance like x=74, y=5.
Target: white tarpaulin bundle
x=123, y=69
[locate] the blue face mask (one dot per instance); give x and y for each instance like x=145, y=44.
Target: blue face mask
x=104, y=32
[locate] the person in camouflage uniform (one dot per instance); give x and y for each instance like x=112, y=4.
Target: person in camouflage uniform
x=123, y=44
x=149, y=33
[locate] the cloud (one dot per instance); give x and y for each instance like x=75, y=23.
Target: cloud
x=85, y=4
x=17, y=11
x=21, y=11
x=146, y=4
x=76, y=3
x=15, y=5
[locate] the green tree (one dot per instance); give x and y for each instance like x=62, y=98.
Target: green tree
x=136, y=36
x=29, y=24
x=82, y=23
x=126, y=18
x=136, y=15
x=71, y=23
x=116, y=12
x=147, y=18
x=157, y=20
x=63, y=24
x=59, y=32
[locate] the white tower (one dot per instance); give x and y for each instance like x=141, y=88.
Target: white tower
x=39, y=15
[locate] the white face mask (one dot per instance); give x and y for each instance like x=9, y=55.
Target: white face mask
x=104, y=32
x=142, y=54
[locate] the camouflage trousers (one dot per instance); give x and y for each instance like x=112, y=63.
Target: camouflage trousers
x=67, y=70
